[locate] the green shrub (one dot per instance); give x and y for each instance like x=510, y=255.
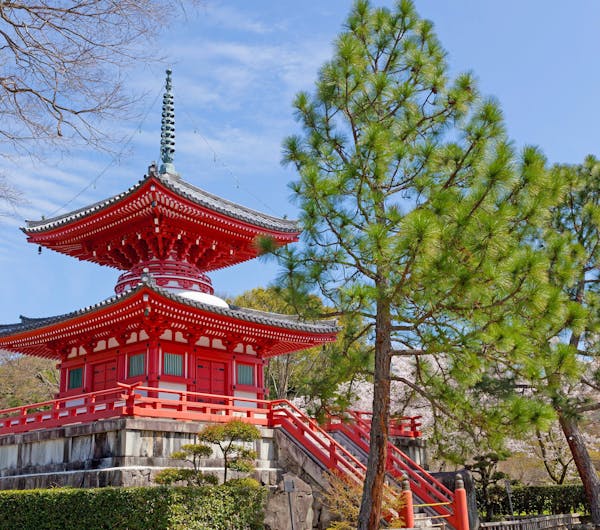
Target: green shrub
x=234, y=506
x=540, y=500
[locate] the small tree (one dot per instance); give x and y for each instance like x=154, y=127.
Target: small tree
x=192, y=453
x=486, y=475
x=224, y=436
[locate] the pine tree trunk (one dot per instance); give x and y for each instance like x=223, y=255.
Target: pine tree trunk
x=570, y=428
x=587, y=473
x=370, y=509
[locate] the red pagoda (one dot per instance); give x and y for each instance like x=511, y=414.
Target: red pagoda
x=164, y=328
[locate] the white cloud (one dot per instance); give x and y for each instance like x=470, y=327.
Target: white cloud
x=228, y=17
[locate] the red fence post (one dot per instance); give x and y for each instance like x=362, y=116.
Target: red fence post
x=407, y=511
x=130, y=400
x=460, y=505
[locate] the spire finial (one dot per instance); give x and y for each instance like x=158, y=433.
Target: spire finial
x=167, y=130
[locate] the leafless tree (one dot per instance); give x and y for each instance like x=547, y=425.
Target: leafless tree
x=9, y=197
x=63, y=64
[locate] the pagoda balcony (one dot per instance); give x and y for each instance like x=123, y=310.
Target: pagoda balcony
x=152, y=402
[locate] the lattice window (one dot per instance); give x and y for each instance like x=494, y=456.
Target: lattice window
x=75, y=378
x=136, y=365
x=245, y=374
x=173, y=364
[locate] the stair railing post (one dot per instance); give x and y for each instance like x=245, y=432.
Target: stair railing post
x=407, y=511
x=461, y=511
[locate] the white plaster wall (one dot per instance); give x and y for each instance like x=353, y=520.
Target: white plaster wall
x=171, y=386
x=250, y=395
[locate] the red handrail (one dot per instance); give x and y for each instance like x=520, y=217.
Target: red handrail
x=326, y=450
x=430, y=491
x=57, y=412
x=401, y=426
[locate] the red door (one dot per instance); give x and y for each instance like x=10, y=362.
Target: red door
x=210, y=377
x=104, y=376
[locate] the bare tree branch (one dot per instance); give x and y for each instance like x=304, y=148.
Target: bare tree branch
x=63, y=63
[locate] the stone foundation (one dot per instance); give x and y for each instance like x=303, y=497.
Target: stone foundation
x=119, y=452
x=130, y=451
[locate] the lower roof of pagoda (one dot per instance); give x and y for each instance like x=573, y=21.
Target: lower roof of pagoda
x=162, y=217
x=154, y=310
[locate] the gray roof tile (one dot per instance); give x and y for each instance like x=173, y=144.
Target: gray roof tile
x=249, y=315
x=179, y=186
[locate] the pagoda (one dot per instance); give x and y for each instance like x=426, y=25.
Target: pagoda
x=164, y=328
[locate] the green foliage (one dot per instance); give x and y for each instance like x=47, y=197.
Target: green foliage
x=236, y=505
x=536, y=500
x=233, y=506
x=25, y=380
x=57, y=509
x=572, y=240
x=192, y=477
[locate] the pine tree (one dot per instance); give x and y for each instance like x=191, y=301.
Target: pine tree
x=570, y=369
x=414, y=209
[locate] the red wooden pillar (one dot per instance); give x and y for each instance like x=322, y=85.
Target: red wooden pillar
x=461, y=512
x=407, y=511
x=230, y=374
x=62, y=387
x=260, y=378
x=88, y=375
x=121, y=366
x=153, y=360
x=191, y=370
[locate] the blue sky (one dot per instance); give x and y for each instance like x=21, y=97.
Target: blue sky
x=236, y=68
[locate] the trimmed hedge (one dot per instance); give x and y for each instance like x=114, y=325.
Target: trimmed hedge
x=540, y=500
x=236, y=505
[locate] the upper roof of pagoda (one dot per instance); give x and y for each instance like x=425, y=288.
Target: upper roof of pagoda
x=162, y=217
x=159, y=215
x=150, y=307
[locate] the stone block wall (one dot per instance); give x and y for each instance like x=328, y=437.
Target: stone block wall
x=119, y=452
